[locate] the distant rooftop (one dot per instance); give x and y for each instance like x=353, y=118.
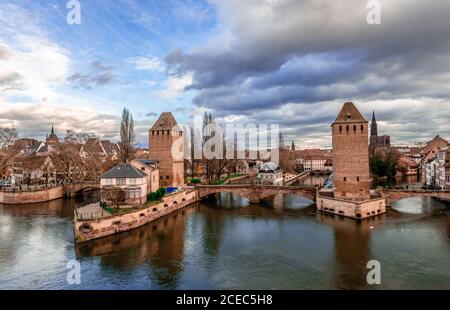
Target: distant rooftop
x=269, y=167
x=147, y=161
x=123, y=171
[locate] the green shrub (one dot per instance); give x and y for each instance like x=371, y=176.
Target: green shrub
x=195, y=181
x=154, y=196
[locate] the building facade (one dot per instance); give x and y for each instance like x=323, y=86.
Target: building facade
x=150, y=167
x=270, y=174
x=351, y=154
x=428, y=159
x=167, y=147
x=124, y=184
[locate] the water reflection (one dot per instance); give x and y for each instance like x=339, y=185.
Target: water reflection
x=226, y=243
x=352, y=248
x=160, y=244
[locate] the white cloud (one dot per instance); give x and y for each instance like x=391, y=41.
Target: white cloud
x=146, y=63
x=174, y=86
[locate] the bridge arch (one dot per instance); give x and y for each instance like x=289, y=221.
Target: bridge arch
x=257, y=193
x=396, y=195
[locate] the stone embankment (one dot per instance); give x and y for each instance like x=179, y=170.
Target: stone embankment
x=30, y=194
x=86, y=229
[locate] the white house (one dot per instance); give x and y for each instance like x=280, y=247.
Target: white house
x=124, y=183
x=270, y=174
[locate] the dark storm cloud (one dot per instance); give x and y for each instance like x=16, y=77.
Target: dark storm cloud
x=99, y=75
x=271, y=54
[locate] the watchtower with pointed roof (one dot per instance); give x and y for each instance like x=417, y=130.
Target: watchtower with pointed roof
x=167, y=147
x=351, y=154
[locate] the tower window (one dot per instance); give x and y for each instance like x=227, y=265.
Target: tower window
x=357, y=178
x=340, y=128
x=362, y=128
x=354, y=128
x=345, y=178
x=348, y=128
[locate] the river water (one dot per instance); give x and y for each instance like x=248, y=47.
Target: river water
x=225, y=243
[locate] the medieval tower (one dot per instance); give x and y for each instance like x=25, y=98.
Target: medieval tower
x=351, y=154
x=163, y=137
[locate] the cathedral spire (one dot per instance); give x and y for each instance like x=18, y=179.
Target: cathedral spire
x=373, y=126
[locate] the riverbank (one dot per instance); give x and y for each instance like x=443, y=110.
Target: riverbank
x=89, y=227
x=31, y=195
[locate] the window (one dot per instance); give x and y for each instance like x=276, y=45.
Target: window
x=132, y=181
x=167, y=177
x=348, y=128
x=340, y=128
x=357, y=179
x=362, y=127
x=354, y=128
x=160, y=177
x=121, y=181
x=133, y=193
x=108, y=181
x=345, y=178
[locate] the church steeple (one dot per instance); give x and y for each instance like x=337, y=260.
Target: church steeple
x=373, y=126
x=52, y=138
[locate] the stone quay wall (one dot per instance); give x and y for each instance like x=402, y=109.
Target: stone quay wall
x=27, y=197
x=85, y=230
x=352, y=209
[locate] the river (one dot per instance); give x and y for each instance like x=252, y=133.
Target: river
x=226, y=243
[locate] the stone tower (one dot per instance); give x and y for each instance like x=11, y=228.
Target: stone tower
x=350, y=154
x=162, y=136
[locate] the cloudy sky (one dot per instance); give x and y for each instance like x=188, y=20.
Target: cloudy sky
x=286, y=62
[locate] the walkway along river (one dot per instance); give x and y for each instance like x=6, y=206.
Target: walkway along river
x=225, y=242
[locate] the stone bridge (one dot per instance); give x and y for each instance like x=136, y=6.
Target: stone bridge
x=394, y=195
x=255, y=193
x=72, y=189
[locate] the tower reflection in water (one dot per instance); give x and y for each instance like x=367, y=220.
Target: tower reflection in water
x=352, y=248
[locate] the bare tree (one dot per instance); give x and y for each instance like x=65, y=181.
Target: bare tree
x=68, y=157
x=114, y=195
x=7, y=138
x=127, y=137
x=215, y=167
